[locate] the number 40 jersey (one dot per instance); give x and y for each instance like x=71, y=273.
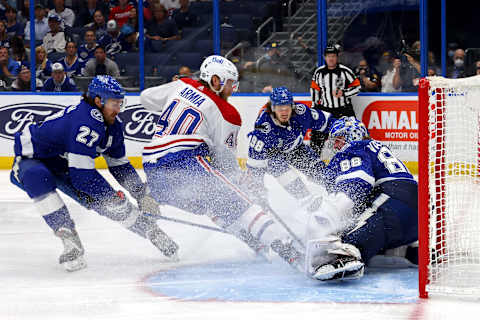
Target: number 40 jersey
x=194, y=121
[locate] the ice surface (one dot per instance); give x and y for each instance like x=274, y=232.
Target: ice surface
x=218, y=277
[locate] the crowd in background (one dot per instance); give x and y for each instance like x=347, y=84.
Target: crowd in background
x=82, y=38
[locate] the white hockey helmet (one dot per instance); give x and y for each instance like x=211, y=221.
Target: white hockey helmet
x=220, y=67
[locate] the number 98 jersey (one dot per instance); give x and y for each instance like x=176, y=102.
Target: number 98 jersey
x=362, y=166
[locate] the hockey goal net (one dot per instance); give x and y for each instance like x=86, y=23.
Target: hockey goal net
x=449, y=186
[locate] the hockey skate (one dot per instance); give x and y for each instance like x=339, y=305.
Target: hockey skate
x=341, y=268
x=164, y=243
x=72, y=257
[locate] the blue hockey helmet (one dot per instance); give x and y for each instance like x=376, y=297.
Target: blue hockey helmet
x=349, y=128
x=105, y=87
x=281, y=96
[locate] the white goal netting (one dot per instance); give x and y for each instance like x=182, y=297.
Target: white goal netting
x=454, y=186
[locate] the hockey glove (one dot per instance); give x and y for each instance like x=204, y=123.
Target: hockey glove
x=149, y=205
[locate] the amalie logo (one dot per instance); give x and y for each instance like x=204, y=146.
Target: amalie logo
x=139, y=124
x=392, y=120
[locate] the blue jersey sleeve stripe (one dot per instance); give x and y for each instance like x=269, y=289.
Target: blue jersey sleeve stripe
x=26, y=142
x=80, y=161
x=326, y=115
x=359, y=174
x=257, y=163
x=115, y=162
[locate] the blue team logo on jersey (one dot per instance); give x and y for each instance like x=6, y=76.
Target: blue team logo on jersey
x=139, y=124
x=14, y=117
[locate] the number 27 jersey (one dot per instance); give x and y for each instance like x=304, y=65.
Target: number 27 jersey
x=194, y=121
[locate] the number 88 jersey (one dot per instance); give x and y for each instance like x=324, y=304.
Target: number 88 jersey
x=193, y=121
x=362, y=166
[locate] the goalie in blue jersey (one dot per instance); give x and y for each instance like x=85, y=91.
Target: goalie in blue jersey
x=59, y=153
x=371, y=206
x=276, y=147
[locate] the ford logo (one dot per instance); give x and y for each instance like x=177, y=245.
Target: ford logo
x=139, y=124
x=14, y=117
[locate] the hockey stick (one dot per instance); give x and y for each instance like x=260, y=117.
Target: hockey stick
x=269, y=209
x=188, y=223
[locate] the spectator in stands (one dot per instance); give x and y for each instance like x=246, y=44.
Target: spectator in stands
x=390, y=74
x=183, y=72
x=43, y=64
x=87, y=13
x=14, y=28
x=458, y=69
x=59, y=81
x=17, y=50
x=161, y=28
x=67, y=15
x=121, y=13
x=99, y=26
x=183, y=16
x=477, y=68
x=170, y=5
x=8, y=66
x=72, y=64
x=24, y=11
x=101, y=65
x=86, y=51
x=409, y=75
x=133, y=19
x=41, y=25
x=22, y=83
x=55, y=40
x=111, y=40
x=4, y=39
x=148, y=9
x=369, y=79
x=128, y=39
x=431, y=71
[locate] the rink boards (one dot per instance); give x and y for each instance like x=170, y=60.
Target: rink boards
x=389, y=118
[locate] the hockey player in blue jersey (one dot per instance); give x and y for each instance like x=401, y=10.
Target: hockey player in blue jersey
x=276, y=145
x=59, y=153
x=371, y=205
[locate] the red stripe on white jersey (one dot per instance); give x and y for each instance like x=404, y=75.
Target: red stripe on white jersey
x=207, y=167
x=172, y=142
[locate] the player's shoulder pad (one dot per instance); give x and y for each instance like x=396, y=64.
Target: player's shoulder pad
x=90, y=114
x=299, y=108
x=229, y=113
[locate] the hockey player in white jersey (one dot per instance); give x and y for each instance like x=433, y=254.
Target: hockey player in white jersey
x=192, y=155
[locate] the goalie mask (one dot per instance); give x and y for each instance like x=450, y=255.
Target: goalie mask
x=348, y=128
x=220, y=67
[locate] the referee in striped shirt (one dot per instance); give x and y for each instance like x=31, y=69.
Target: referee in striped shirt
x=333, y=85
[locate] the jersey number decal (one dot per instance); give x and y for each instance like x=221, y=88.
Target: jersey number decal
x=87, y=132
x=186, y=122
x=346, y=164
x=256, y=144
x=392, y=164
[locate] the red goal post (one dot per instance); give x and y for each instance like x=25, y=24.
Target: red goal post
x=449, y=189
